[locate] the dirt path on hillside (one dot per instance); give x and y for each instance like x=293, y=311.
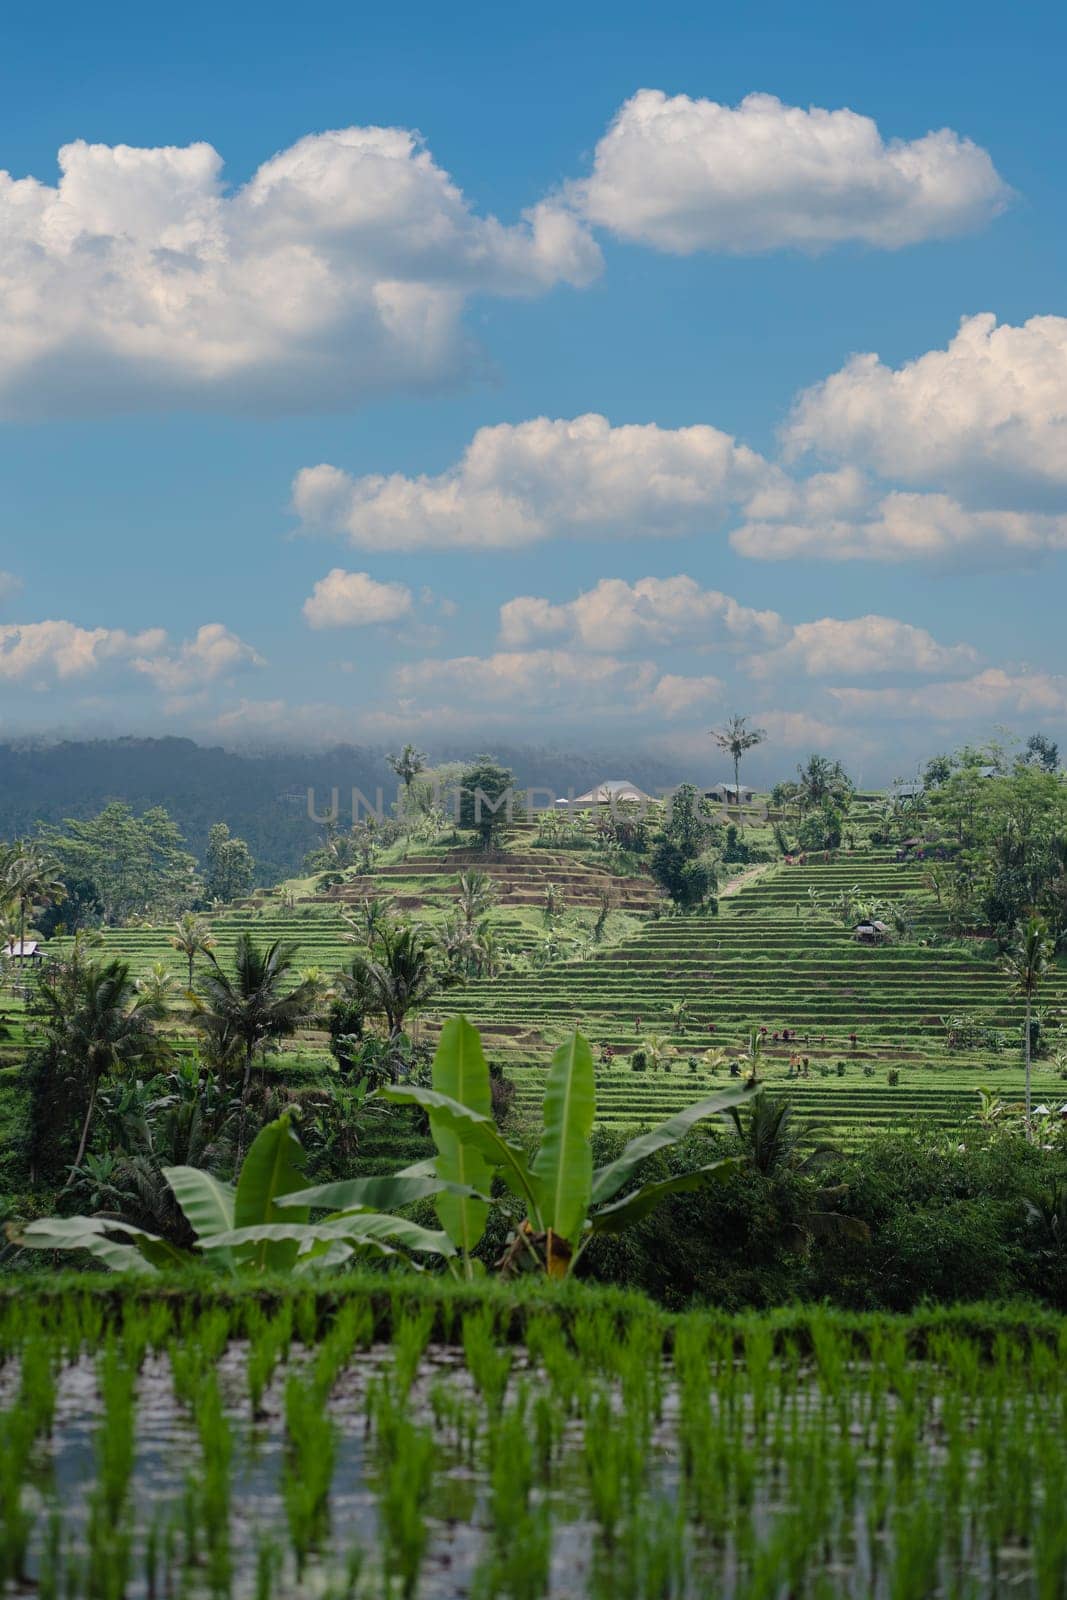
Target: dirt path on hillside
x=749, y=875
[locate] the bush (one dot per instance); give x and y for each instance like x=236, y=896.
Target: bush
x=944, y=1224
x=688, y=882
x=893, y=1076
x=639, y=1061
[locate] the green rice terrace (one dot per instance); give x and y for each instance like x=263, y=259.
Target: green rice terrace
x=860, y=1036
x=775, y=958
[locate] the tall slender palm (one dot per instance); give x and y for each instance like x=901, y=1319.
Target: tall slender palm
x=736, y=740
x=193, y=937
x=1025, y=963
x=31, y=880
x=407, y=765
x=395, y=977
x=255, y=1005
x=97, y=1024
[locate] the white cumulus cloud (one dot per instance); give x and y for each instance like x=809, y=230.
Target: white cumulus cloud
x=906, y=526
x=994, y=692
x=991, y=406
x=833, y=647
x=677, y=696
x=212, y=654
x=616, y=615
x=568, y=684
x=685, y=174
x=44, y=652
x=354, y=599
x=339, y=270
x=517, y=484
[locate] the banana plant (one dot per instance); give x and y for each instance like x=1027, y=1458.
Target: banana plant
x=567, y=1202
x=261, y=1223
x=459, y=1177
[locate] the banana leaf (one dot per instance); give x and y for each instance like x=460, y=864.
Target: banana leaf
x=608, y=1180
x=563, y=1166
x=207, y=1204
x=370, y=1194
x=363, y=1226
x=145, y=1253
x=274, y=1166
x=621, y=1213
x=460, y=1071
x=482, y=1134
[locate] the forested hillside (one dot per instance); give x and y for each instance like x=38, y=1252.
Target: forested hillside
x=260, y=796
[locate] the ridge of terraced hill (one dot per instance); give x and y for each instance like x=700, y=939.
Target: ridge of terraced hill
x=431, y=877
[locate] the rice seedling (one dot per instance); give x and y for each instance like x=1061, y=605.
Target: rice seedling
x=600, y=1452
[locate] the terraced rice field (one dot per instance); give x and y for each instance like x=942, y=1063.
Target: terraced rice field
x=431, y=878
x=774, y=959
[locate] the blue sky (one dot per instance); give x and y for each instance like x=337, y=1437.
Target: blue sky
x=875, y=570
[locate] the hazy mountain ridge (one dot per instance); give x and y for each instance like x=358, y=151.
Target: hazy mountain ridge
x=261, y=796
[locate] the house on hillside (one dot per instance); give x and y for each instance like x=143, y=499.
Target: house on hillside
x=726, y=794
x=23, y=951
x=613, y=791
x=871, y=931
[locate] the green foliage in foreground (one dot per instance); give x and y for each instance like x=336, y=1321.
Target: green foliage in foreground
x=266, y=1220
x=551, y=1442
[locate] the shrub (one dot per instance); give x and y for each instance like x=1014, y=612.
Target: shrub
x=639, y=1061
x=893, y=1076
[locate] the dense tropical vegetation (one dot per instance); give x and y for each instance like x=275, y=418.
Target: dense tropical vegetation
x=802, y=1051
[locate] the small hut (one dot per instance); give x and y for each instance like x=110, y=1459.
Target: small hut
x=612, y=792
x=27, y=952
x=871, y=931
x=728, y=794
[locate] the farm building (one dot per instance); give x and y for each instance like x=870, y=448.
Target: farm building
x=23, y=950
x=613, y=791
x=871, y=932
x=727, y=793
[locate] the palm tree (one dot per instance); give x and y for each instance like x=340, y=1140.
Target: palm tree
x=822, y=781
x=157, y=983
x=777, y=1145
x=193, y=937
x=97, y=1024
x=1025, y=963
x=659, y=1052
x=31, y=880
x=407, y=765
x=373, y=915
x=735, y=740
x=477, y=896
x=253, y=1006
x=395, y=977
x=488, y=951
x=773, y=1138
